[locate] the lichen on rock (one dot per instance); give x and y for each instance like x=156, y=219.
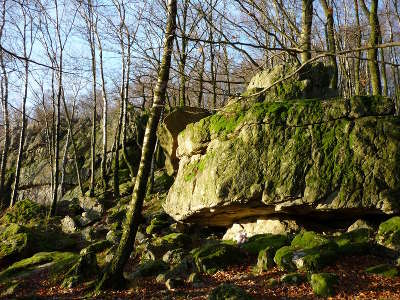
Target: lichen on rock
x=306, y=156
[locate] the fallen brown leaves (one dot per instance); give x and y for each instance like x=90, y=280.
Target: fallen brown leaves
x=354, y=284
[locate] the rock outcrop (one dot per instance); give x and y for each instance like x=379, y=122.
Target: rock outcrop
x=303, y=157
x=172, y=125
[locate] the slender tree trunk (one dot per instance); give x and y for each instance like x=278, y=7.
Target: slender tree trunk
x=330, y=32
x=105, y=115
x=125, y=100
x=383, y=70
x=116, y=155
x=306, y=25
x=6, y=119
x=21, y=138
x=70, y=129
x=357, y=85
x=113, y=276
x=201, y=78
x=64, y=162
x=372, y=56
x=91, y=26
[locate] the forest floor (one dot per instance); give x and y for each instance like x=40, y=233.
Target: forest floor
x=354, y=283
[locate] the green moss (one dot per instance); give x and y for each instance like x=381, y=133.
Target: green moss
x=213, y=257
x=354, y=242
x=57, y=262
x=265, y=259
x=383, y=270
x=23, y=212
x=149, y=268
x=157, y=224
x=229, y=291
x=389, y=233
x=323, y=284
x=173, y=241
x=258, y=242
x=309, y=239
x=283, y=258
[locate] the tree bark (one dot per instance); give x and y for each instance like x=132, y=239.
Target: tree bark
x=357, y=85
x=330, y=32
x=372, y=53
x=306, y=25
x=113, y=276
x=6, y=119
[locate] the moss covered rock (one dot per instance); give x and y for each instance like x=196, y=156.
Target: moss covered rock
x=216, y=256
x=308, y=251
x=323, y=284
x=310, y=82
x=259, y=242
x=383, y=270
x=24, y=212
x=17, y=242
x=389, y=233
x=229, y=292
x=55, y=262
x=172, y=125
x=357, y=241
x=265, y=259
x=13, y=242
x=301, y=157
x=149, y=268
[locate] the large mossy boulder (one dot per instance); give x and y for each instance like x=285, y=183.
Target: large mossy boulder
x=172, y=125
x=303, y=157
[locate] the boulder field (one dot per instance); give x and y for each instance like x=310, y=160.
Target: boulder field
x=258, y=157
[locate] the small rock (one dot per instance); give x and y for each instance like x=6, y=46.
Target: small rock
x=359, y=224
x=174, y=256
x=174, y=283
x=383, y=270
x=323, y=284
x=262, y=226
x=293, y=278
x=68, y=225
x=265, y=259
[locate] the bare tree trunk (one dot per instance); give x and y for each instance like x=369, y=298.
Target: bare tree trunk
x=330, y=32
x=6, y=119
x=373, y=65
x=105, y=115
x=357, y=85
x=201, y=78
x=116, y=155
x=53, y=205
x=21, y=136
x=70, y=129
x=306, y=25
x=113, y=276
